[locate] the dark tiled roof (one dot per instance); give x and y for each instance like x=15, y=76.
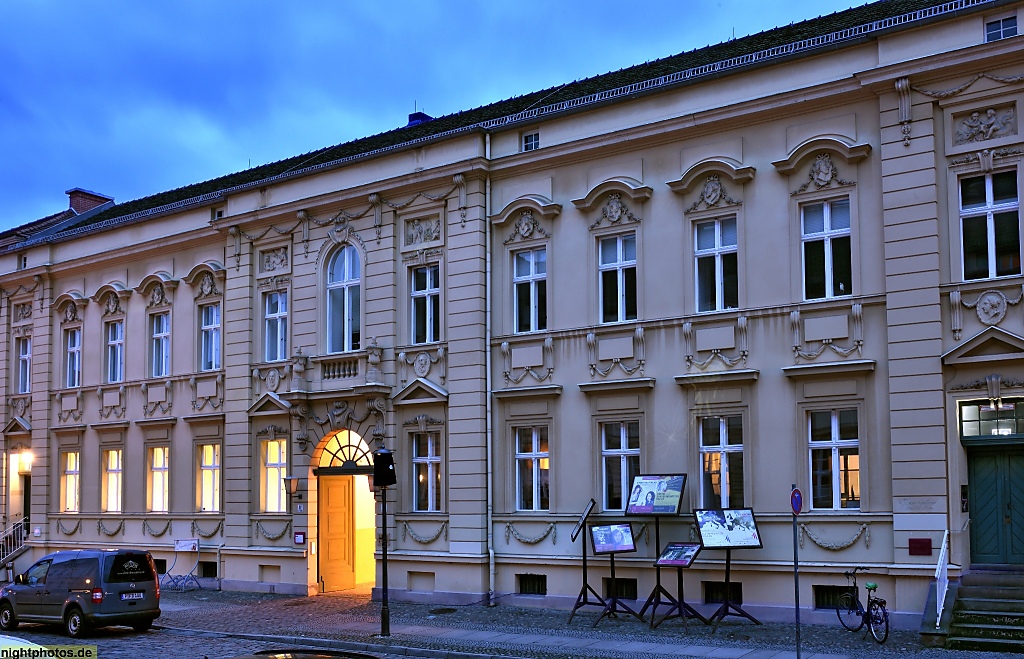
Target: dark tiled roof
x=624, y=83
x=20, y=233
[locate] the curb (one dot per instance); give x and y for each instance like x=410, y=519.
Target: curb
x=352, y=646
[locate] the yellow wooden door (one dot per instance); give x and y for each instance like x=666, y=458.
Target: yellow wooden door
x=336, y=521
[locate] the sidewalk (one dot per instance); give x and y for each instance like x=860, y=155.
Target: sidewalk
x=352, y=622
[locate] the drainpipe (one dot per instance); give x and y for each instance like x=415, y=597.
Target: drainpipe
x=489, y=430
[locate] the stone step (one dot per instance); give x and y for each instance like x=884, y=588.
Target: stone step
x=995, y=605
x=991, y=592
x=981, y=617
x=995, y=578
x=984, y=644
x=986, y=630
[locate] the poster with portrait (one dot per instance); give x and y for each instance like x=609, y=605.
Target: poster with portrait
x=678, y=554
x=653, y=494
x=732, y=528
x=612, y=538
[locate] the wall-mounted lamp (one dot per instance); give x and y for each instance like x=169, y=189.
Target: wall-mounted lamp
x=292, y=483
x=25, y=462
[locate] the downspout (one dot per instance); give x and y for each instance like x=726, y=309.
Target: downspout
x=489, y=429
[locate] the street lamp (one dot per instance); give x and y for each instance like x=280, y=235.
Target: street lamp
x=383, y=476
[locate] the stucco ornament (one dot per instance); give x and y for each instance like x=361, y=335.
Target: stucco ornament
x=421, y=365
x=978, y=127
x=157, y=296
x=273, y=380
x=527, y=226
x=70, y=312
x=207, y=286
x=823, y=173
x=113, y=304
x=275, y=259
x=991, y=307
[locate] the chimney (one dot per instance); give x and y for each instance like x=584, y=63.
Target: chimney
x=84, y=200
x=417, y=118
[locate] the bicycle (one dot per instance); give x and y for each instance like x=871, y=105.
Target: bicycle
x=852, y=613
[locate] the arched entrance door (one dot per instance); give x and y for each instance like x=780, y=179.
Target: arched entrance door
x=345, y=512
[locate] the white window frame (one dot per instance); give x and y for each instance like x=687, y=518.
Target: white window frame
x=726, y=454
x=209, y=337
x=615, y=448
x=532, y=465
x=531, y=141
x=274, y=469
x=1005, y=27
x=989, y=211
x=113, y=480
x=275, y=326
x=23, y=346
x=426, y=472
x=113, y=332
x=70, y=481
x=160, y=344
x=159, y=479
x=73, y=357
x=620, y=267
x=827, y=235
x=429, y=298
x=835, y=446
x=208, y=479
x=718, y=252
x=531, y=284
x=344, y=302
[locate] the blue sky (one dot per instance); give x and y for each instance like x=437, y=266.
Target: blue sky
x=131, y=98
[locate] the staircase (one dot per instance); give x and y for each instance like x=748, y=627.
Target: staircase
x=989, y=612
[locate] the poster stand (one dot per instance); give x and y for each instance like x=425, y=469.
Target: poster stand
x=728, y=607
x=655, y=597
x=613, y=605
x=583, y=599
x=678, y=555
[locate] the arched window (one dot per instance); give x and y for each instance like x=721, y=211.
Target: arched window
x=343, y=322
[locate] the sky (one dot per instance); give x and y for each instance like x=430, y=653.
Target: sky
x=130, y=98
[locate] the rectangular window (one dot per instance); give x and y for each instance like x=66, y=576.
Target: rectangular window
x=275, y=326
x=717, y=281
x=159, y=482
x=275, y=468
x=115, y=350
x=73, y=357
x=989, y=210
x=721, y=458
x=426, y=304
x=529, y=281
x=620, y=458
x=160, y=345
x=209, y=478
x=112, y=482
x=532, y=462
x=209, y=337
x=426, y=468
x=70, y=481
x=826, y=248
x=1001, y=28
x=531, y=141
x=24, y=348
x=835, y=459
x=617, y=265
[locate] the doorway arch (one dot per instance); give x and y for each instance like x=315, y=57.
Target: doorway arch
x=346, y=522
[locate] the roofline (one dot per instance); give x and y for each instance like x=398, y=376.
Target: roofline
x=776, y=54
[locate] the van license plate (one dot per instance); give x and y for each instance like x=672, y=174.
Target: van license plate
x=132, y=596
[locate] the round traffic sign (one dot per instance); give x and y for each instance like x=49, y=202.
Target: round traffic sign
x=797, y=500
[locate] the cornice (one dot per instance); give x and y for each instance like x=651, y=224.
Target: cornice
x=962, y=62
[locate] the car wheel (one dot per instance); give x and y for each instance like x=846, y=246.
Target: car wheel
x=8, y=622
x=142, y=626
x=74, y=623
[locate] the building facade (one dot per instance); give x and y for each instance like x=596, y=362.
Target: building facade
x=791, y=259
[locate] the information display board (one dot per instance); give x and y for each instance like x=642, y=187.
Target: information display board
x=679, y=554
x=612, y=538
x=656, y=494
x=732, y=528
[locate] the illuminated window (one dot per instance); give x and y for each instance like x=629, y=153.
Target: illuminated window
x=620, y=458
x=70, y=481
x=159, y=482
x=275, y=467
x=112, y=481
x=209, y=478
x=532, y=464
x=721, y=458
x=835, y=458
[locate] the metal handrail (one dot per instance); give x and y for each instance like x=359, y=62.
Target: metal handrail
x=13, y=539
x=941, y=578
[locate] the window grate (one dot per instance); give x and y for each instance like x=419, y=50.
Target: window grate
x=624, y=589
x=826, y=597
x=532, y=584
x=714, y=592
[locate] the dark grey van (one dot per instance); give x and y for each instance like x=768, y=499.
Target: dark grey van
x=84, y=589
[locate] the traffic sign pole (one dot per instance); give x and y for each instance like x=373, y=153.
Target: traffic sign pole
x=796, y=500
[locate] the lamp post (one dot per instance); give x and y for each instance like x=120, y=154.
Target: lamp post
x=383, y=476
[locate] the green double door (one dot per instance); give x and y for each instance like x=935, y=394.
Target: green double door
x=996, y=490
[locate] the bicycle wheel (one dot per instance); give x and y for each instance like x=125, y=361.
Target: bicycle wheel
x=849, y=611
x=878, y=621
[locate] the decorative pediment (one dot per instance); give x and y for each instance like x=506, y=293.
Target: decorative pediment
x=698, y=173
x=989, y=345
x=158, y=287
x=111, y=297
x=812, y=148
x=269, y=403
x=207, y=278
x=17, y=425
x=538, y=204
x=70, y=306
x=625, y=186
x=420, y=391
